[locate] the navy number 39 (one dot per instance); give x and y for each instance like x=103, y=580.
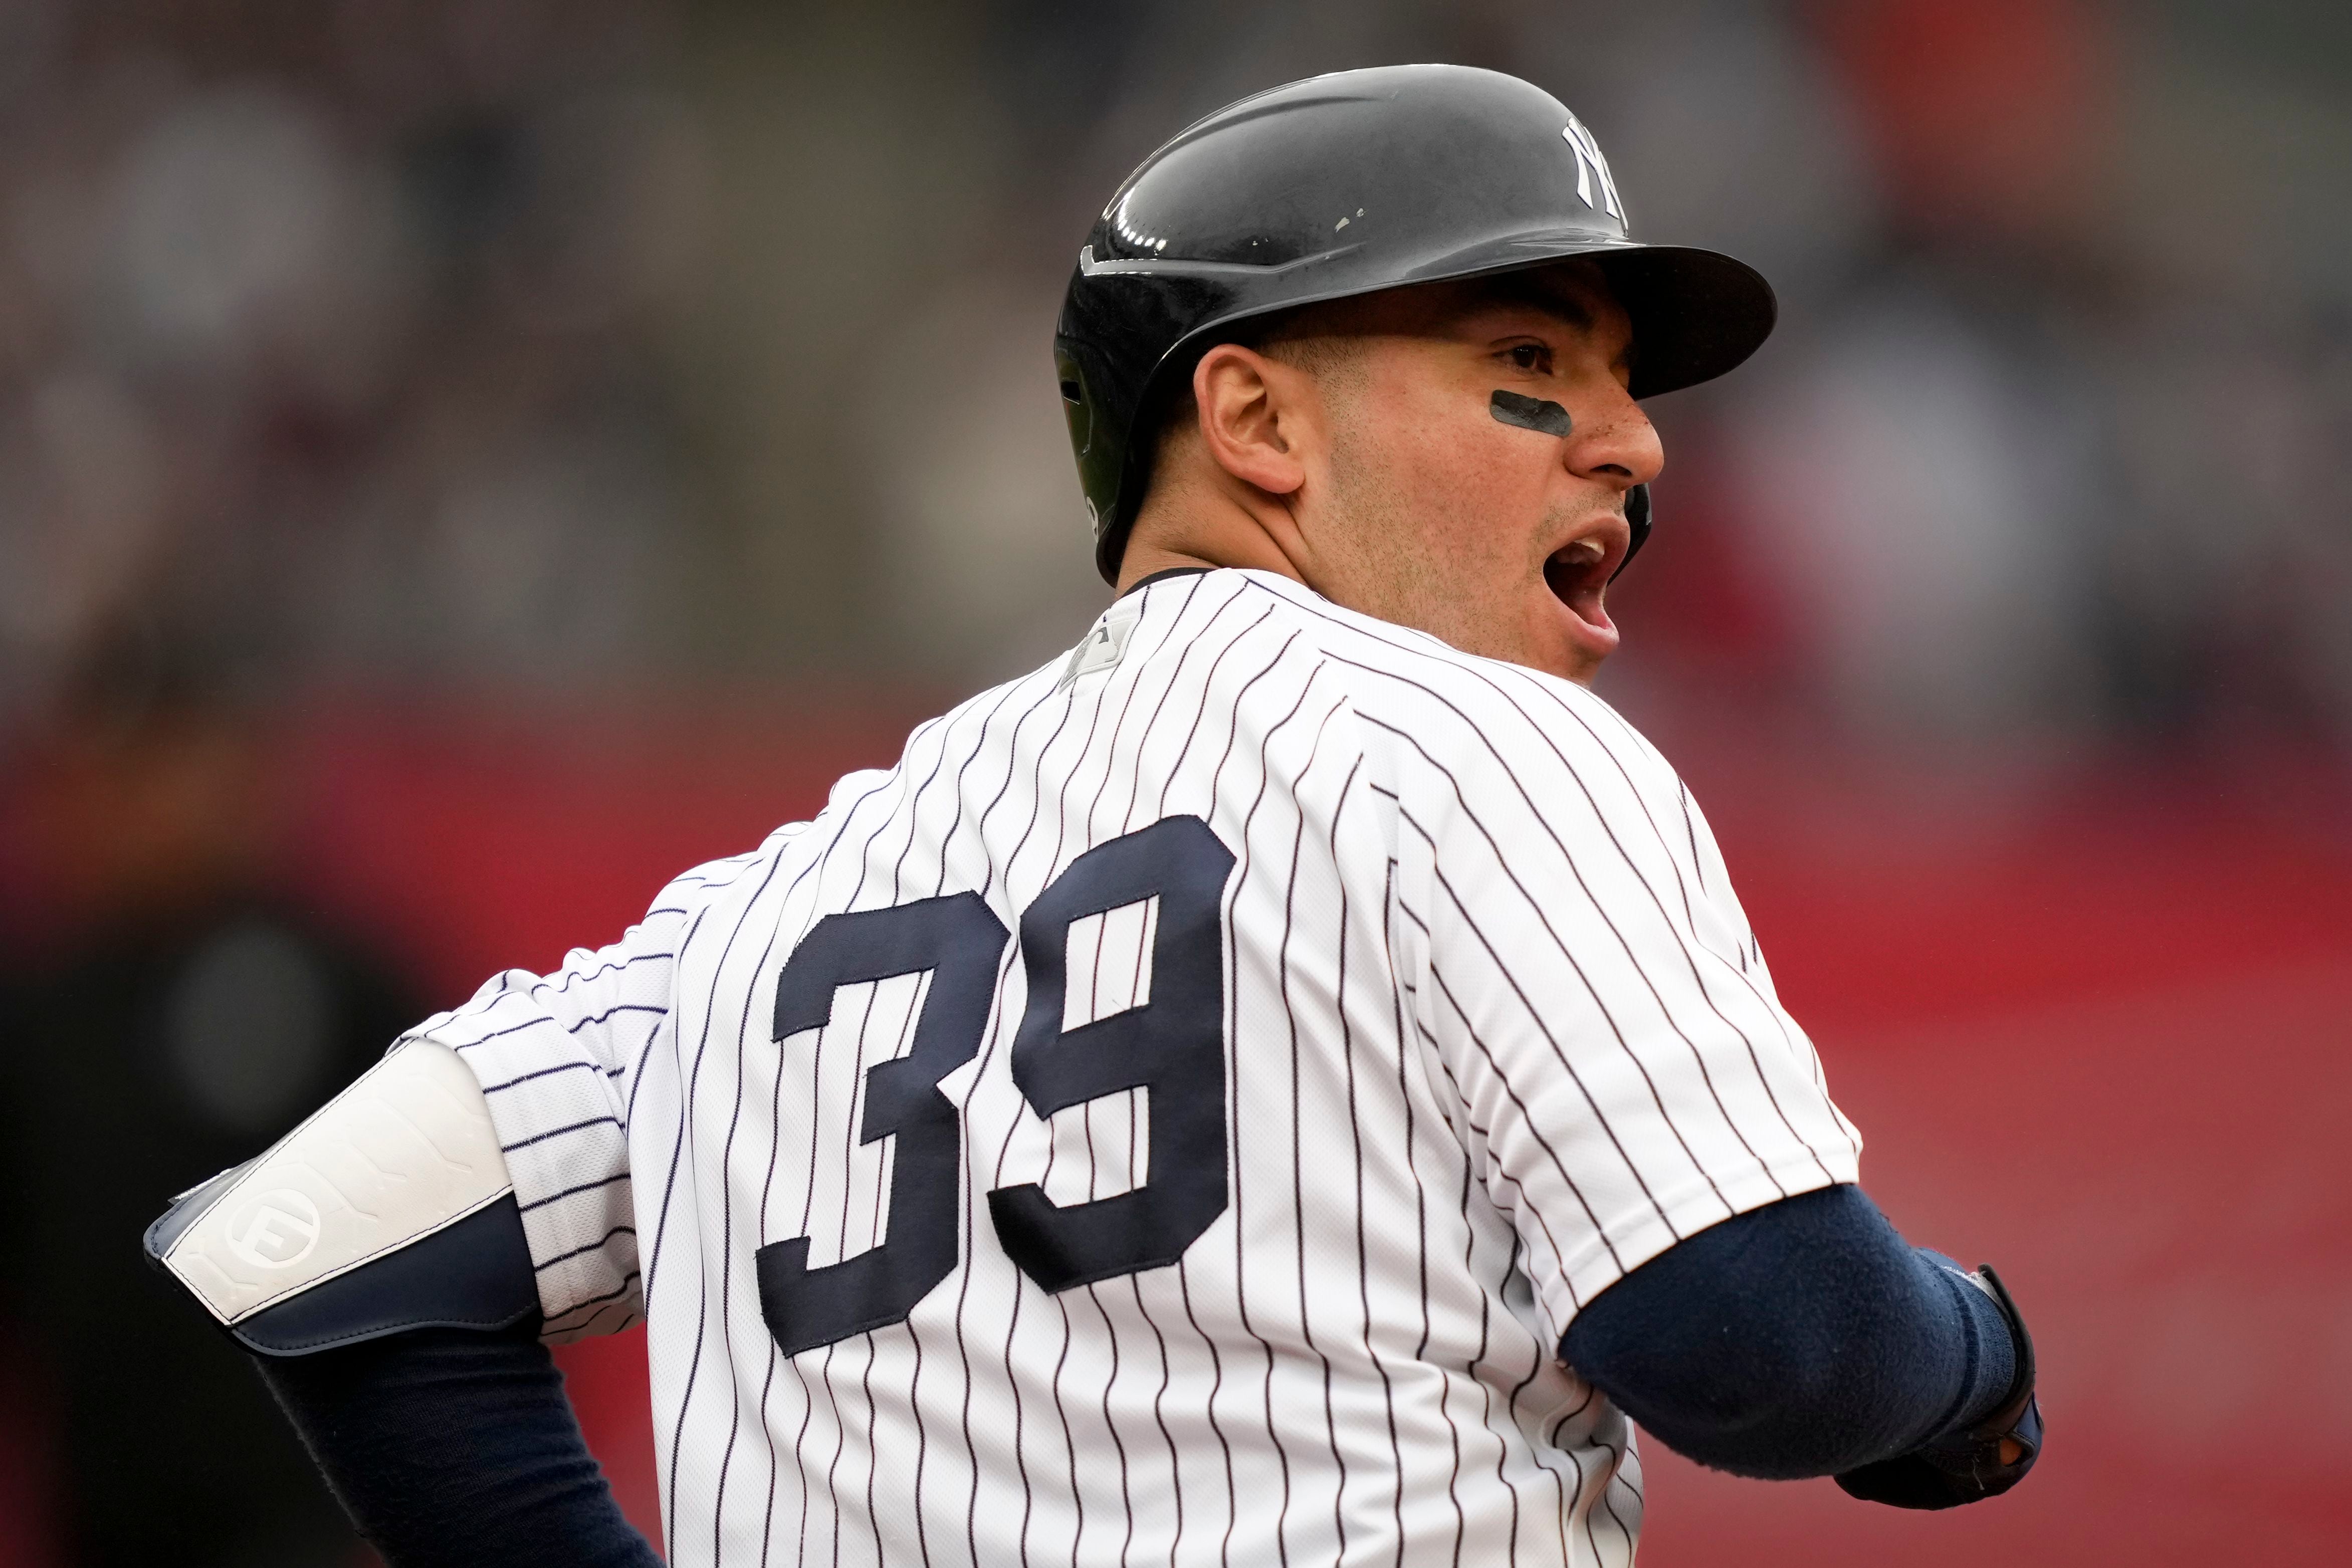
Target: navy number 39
x=1173, y=1044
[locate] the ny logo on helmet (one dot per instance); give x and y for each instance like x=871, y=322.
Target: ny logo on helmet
x=1590, y=166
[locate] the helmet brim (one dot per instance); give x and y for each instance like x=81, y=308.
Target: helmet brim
x=1696, y=313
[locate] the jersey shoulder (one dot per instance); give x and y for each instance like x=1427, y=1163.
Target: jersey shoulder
x=1482, y=722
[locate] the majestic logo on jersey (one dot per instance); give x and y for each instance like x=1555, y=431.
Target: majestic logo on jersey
x=1592, y=168
x=1105, y=645
x=278, y=1231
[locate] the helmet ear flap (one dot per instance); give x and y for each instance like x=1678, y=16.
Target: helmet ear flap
x=1075, y=407
x=1099, y=438
x=1637, y=519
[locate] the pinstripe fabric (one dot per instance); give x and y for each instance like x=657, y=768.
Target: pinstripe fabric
x=1495, y=1030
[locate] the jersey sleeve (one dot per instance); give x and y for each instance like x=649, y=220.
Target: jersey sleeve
x=555, y=1055
x=1590, y=992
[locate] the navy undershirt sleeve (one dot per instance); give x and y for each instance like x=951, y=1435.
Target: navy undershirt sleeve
x=457, y=1446
x=1803, y=1338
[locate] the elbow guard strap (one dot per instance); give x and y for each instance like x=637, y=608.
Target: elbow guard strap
x=389, y=1209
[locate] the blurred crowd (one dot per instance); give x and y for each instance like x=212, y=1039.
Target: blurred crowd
x=322, y=343
x=566, y=357
x=536, y=348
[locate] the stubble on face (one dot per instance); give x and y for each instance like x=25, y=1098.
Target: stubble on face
x=1421, y=555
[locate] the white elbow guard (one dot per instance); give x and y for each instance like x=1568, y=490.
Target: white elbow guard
x=389, y=1209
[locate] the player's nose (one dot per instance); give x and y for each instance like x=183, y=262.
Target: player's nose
x=1619, y=444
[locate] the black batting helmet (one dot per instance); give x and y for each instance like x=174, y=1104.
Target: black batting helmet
x=1345, y=185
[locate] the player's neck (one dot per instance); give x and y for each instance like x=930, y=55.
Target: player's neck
x=1168, y=537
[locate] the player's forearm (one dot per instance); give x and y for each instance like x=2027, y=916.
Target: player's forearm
x=1801, y=1338
x=457, y=1446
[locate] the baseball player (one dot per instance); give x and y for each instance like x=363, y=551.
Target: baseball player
x=1281, y=1084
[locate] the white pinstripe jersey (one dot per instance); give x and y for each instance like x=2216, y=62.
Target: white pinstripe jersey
x=1173, y=1116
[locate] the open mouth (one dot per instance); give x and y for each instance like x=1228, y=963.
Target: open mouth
x=1577, y=574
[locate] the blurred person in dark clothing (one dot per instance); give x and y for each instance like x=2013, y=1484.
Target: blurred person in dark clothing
x=163, y=1011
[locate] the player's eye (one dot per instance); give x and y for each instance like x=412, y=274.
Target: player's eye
x=1529, y=356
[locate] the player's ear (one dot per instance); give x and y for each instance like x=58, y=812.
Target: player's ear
x=1251, y=412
